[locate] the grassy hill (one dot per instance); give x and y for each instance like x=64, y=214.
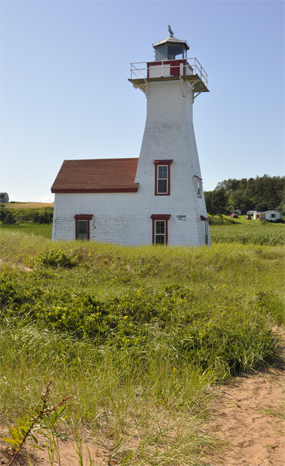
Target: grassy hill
x=137, y=335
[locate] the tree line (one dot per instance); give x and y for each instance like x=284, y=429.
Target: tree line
x=38, y=215
x=260, y=193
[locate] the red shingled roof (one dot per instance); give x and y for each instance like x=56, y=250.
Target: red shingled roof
x=96, y=176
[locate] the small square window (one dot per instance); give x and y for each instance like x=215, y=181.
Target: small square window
x=82, y=226
x=82, y=229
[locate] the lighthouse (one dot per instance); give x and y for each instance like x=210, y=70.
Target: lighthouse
x=168, y=172
x=156, y=198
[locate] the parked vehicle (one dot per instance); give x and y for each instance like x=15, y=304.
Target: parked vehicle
x=248, y=217
x=234, y=215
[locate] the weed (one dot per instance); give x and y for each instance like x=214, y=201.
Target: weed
x=44, y=417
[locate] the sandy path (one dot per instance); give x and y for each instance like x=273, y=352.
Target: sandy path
x=255, y=437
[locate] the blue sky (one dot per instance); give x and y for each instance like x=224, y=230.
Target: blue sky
x=65, y=92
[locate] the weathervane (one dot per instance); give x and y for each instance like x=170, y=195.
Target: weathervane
x=170, y=31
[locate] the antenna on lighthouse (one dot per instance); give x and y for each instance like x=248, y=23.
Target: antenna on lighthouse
x=170, y=31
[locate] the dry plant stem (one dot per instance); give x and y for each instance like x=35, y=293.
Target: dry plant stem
x=22, y=443
x=38, y=416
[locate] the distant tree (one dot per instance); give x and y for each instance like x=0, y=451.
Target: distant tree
x=3, y=212
x=9, y=218
x=216, y=201
x=261, y=193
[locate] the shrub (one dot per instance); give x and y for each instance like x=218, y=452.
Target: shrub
x=56, y=258
x=174, y=324
x=9, y=218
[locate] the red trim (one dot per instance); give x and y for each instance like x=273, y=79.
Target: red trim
x=87, y=217
x=155, y=217
x=156, y=164
x=163, y=162
x=204, y=219
x=83, y=217
x=201, y=179
x=174, y=66
x=160, y=216
x=110, y=190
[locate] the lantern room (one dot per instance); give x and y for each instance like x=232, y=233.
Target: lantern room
x=170, y=63
x=170, y=49
x=170, y=59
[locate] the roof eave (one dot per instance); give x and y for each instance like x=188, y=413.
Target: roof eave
x=132, y=189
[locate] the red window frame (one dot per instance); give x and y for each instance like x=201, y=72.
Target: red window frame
x=162, y=163
x=83, y=217
x=164, y=217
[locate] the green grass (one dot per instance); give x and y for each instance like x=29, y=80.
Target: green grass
x=44, y=230
x=135, y=334
x=248, y=232
x=231, y=231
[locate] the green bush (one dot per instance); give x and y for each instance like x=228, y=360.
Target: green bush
x=174, y=323
x=56, y=258
x=9, y=218
x=40, y=215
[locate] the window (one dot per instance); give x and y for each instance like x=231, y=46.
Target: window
x=198, y=184
x=82, y=226
x=272, y=215
x=160, y=229
x=162, y=177
x=199, y=188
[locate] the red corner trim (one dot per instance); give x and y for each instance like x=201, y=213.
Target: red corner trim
x=198, y=177
x=204, y=219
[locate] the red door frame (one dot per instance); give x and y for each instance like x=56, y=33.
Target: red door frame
x=155, y=217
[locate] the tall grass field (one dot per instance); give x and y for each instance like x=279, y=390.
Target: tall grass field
x=137, y=335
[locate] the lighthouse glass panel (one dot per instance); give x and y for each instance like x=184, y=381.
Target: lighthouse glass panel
x=160, y=232
x=162, y=179
x=175, y=52
x=161, y=54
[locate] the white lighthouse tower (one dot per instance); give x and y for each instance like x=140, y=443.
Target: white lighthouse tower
x=156, y=198
x=168, y=172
